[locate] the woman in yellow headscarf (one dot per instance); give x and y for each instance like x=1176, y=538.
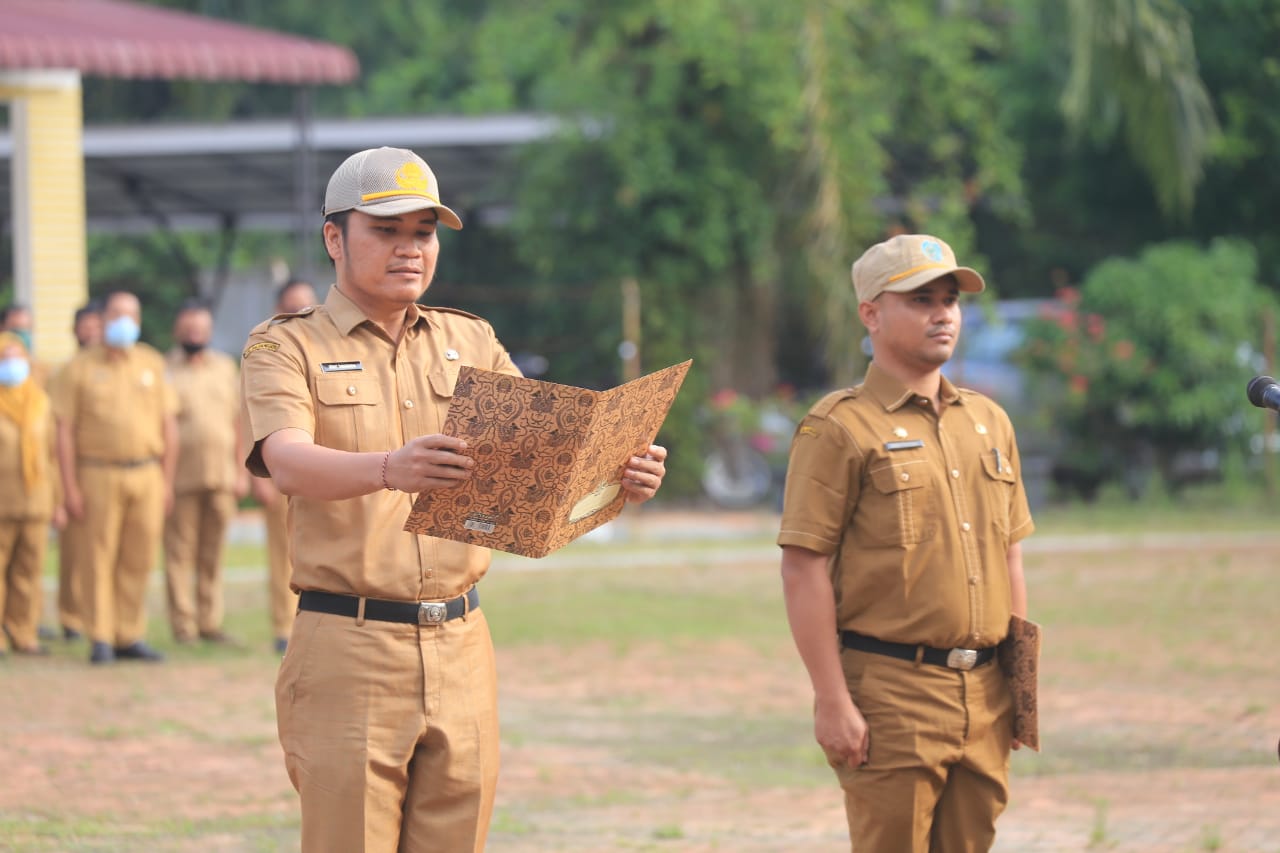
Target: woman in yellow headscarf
x=27, y=496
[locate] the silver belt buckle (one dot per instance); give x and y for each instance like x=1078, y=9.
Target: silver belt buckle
x=964, y=659
x=432, y=612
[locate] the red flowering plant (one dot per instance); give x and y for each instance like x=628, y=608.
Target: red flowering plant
x=749, y=440
x=1148, y=359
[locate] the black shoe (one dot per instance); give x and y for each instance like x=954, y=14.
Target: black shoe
x=138, y=651
x=282, y=645
x=71, y=635
x=102, y=653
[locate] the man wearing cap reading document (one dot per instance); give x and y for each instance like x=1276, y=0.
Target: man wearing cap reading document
x=386, y=700
x=902, y=567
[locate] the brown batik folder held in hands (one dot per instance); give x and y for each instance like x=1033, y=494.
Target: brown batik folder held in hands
x=549, y=458
x=1019, y=656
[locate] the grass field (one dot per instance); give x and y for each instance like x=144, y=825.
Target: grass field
x=651, y=700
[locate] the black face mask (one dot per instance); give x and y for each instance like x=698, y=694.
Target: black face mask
x=192, y=347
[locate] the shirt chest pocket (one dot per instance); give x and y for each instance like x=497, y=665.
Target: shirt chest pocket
x=998, y=482
x=349, y=415
x=899, y=505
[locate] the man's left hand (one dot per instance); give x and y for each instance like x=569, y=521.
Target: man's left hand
x=643, y=475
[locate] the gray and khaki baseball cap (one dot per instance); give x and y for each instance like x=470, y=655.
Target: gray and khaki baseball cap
x=386, y=182
x=903, y=263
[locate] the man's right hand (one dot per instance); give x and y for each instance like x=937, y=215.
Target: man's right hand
x=429, y=462
x=74, y=502
x=841, y=731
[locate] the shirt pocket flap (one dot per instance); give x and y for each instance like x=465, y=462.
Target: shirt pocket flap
x=346, y=390
x=998, y=467
x=889, y=479
x=443, y=380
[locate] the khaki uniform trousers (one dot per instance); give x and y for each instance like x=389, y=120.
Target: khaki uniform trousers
x=390, y=733
x=22, y=547
x=194, y=536
x=73, y=573
x=938, y=772
x=282, y=600
x=124, y=517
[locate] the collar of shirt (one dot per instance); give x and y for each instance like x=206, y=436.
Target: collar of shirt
x=347, y=315
x=893, y=395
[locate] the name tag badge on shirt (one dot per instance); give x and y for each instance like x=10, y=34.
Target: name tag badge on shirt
x=341, y=366
x=911, y=444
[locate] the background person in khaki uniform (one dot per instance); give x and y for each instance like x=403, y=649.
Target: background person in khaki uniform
x=73, y=547
x=117, y=444
x=387, y=696
x=901, y=568
x=282, y=601
x=208, y=478
x=28, y=499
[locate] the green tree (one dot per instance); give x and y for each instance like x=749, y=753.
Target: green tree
x=1151, y=356
x=1134, y=66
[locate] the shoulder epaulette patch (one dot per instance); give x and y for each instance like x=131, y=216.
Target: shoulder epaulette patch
x=823, y=407
x=284, y=318
x=458, y=311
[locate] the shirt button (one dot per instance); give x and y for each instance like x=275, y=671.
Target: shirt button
x=973, y=581
x=905, y=476
x=408, y=404
x=351, y=390
x=965, y=526
x=955, y=472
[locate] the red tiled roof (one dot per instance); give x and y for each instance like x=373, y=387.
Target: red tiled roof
x=114, y=38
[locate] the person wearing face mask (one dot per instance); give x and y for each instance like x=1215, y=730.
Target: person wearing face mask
x=28, y=500
x=208, y=479
x=18, y=320
x=117, y=448
x=73, y=545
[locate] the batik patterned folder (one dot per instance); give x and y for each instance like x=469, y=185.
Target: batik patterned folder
x=1020, y=659
x=549, y=458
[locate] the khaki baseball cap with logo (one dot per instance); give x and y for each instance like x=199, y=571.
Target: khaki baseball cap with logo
x=903, y=263
x=386, y=182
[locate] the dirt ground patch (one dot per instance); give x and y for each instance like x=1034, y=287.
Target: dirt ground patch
x=1157, y=739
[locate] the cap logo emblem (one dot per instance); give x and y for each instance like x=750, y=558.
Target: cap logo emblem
x=411, y=177
x=931, y=250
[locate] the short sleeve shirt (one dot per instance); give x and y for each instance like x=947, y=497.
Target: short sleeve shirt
x=917, y=510
x=208, y=394
x=116, y=403
x=334, y=374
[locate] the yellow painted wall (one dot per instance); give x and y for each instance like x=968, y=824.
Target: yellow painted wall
x=50, y=260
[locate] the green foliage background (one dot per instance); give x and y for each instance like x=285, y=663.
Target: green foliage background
x=734, y=158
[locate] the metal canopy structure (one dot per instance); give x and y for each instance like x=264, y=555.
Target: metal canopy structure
x=245, y=175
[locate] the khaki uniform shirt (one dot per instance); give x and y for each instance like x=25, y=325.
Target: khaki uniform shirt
x=334, y=374
x=17, y=501
x=916, y=510
x=208, y=393
x=116, y=403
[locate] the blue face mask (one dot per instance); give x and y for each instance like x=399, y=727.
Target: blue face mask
x=120, y=333
x=14, y=371
x=24, y=335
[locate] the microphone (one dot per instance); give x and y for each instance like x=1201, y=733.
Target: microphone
x=1264, y=393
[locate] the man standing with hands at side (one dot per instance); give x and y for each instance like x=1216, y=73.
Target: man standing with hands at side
x=208, y=478
x=386, y=700
x=117, y=445
x=902, y=567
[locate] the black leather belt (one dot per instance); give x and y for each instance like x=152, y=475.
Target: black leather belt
x=962, y=659
x=412, y=612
